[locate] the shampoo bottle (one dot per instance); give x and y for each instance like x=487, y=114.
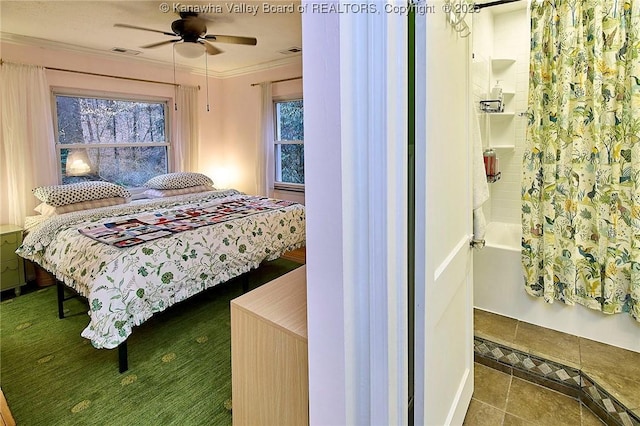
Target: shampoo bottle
x=496, y=95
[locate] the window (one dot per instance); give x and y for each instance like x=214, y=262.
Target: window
x=289, y=145
x=123, y=141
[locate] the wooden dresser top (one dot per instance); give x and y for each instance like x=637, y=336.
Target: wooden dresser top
x=283, y=302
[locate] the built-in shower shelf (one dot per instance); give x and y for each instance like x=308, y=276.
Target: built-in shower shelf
x=500, y=127
x=502, y=62
x=502, y=114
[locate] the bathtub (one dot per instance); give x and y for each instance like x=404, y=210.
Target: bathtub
x=499, y=288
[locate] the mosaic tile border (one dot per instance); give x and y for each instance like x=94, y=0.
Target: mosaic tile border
x=568, y=380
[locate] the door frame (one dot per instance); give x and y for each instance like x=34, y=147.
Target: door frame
x=356, y=112
x=355, y=92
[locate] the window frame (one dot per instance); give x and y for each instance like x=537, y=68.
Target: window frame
x=117, y=96
x=286, y=186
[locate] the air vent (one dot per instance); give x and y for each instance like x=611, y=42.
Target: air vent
x=291, y=50
x=125, y=51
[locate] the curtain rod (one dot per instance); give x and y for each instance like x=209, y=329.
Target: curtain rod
x=494, y=3
x=277, y=81
x=113, y=76
x=107, y=75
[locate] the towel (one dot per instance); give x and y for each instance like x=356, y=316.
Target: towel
x=480, y=185
x=479, y=227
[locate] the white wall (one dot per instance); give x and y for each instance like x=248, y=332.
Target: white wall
x=326, y=308
x=239, y=107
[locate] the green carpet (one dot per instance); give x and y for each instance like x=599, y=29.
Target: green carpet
x=179, y=362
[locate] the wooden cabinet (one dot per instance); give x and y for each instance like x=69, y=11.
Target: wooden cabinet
x=269, y=362
x=11, y=265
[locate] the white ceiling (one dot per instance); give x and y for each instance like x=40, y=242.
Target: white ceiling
x=88, y=26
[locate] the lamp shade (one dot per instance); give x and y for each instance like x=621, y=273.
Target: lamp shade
x=78, y=163
x=189, y=49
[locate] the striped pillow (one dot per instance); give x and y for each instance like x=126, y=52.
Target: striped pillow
x=160, y=193
x=49, y=210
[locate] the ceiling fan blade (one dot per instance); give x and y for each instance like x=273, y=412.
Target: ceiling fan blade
x=161, y=43
x=211, y=49
x=251, y=41
x=134, y=27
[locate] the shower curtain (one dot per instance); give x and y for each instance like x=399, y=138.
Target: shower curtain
x=581, y=174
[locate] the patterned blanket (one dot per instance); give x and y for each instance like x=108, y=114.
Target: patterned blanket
x=157, y=224
x=126, y=286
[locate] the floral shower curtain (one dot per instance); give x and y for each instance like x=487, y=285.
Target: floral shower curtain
x=581, y=181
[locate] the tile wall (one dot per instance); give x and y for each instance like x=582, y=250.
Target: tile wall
x=503, y=35
x=482, y=36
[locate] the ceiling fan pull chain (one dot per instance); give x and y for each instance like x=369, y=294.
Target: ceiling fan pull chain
x=206, y=78
x=175, y=86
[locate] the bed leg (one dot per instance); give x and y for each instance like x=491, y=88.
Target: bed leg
x=60, y=290
x=245, y=282
x=123, y=362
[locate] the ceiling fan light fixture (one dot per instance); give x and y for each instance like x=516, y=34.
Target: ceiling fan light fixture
x=189, y=49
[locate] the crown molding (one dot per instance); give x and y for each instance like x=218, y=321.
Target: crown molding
x=38, y=42
x=21, y=40
x=294, y=59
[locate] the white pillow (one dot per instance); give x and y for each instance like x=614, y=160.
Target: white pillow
x=49, y=210
x=160, y=193
x=62, y=195
x=178, y=180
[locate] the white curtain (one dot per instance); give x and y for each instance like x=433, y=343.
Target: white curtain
x=26, y=140
x=265, y=156
x=186, y=147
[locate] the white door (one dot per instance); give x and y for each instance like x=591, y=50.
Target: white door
x=444, y=305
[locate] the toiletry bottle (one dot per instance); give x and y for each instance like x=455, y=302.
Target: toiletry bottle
x=489, y=163
x=496, y=95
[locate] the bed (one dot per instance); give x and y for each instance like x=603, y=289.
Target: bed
x=209, y=237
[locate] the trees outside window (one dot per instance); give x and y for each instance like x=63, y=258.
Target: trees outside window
x=123, y=141
x=289, y=144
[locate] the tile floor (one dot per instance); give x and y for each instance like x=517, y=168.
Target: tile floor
x=503, y=399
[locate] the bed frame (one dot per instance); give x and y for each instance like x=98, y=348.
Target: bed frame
x=123, y=361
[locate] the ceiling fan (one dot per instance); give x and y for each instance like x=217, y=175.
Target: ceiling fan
x=192, y=33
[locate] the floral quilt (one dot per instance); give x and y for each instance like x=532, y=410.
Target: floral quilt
x=126, y=286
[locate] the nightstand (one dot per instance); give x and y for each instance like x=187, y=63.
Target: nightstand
x=11, y=265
